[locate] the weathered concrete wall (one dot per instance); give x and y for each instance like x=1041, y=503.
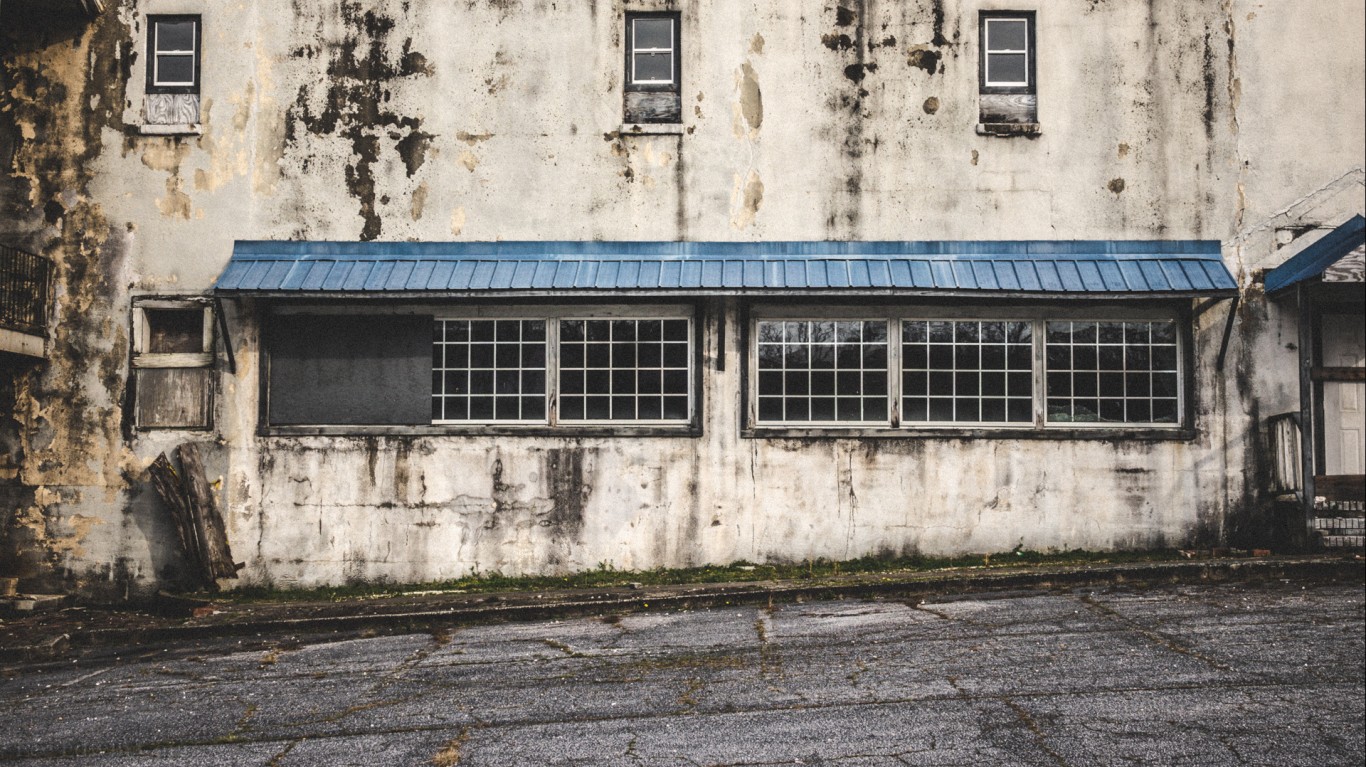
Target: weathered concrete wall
x=431, y=120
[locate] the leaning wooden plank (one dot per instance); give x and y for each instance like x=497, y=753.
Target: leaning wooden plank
x=172, y=492
x=212, y=532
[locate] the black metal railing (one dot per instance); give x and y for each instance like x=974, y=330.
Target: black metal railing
x=24, y=281
x=1283, y=433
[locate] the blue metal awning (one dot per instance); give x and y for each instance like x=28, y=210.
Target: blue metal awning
x=1313, y=260
x=1026, y=268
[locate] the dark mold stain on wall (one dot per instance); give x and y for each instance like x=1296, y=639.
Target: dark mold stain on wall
x=62, y=86
x=360, y=74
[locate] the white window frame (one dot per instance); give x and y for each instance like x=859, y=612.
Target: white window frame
x=635, y=49
x=552, y=316
x=545, y=364
x=157, y=53
x=754, y=368
x=1041, y=342
x=988, y=52
x=896, y=316
x=1033, y=371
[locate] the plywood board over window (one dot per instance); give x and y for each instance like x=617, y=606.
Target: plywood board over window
x=173, y=364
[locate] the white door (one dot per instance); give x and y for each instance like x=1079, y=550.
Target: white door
x=1344, y=404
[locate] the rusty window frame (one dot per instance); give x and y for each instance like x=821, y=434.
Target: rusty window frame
x=154, y=83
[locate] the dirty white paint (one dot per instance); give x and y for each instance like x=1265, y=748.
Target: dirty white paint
x=501, y=119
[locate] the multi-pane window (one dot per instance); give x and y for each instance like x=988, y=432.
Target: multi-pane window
x=822, y=371
x=1113, y=372
x=958, y=372
x=173, y=64
x=488, y=370
x=599, y=371
x=967, y=371
x=624, y=369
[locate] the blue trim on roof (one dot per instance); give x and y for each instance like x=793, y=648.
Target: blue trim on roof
x=1313, y=260
x=1073, y=267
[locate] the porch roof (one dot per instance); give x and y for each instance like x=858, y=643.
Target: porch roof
x=1051, y=268
x=1314, y=260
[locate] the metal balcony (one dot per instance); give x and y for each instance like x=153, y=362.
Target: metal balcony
x=24, y=290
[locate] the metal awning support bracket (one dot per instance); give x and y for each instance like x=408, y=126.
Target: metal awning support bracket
x=225, y=334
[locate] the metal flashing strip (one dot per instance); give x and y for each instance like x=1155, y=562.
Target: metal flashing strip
x=1082, y=269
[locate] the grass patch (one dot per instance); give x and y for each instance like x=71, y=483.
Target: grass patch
x=606, y=576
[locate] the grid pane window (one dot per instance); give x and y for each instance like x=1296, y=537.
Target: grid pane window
x=822, y=371
x=489, y=370
x=624, y=369
x=1112, y=372
x=967, y=371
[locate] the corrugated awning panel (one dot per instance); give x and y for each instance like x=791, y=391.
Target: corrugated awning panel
x=1030, y=267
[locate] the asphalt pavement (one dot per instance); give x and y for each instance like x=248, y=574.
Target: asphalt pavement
x=1267, y=673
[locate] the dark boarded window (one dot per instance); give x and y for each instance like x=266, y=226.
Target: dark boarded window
x=1007, y=68
x=653, y=68
x=349, y=369
x=173, y=53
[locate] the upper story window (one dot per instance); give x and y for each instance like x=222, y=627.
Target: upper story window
x=174, y=58
x=1007, y=73
x=173, y=45
x=1007, y=53
x=653, y=68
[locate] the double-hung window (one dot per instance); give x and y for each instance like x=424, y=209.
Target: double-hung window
x=653, y=68
x=1021, y=372
x=1007, y=71
x=174, y=53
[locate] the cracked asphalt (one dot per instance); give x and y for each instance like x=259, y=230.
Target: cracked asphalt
x=1233, y=674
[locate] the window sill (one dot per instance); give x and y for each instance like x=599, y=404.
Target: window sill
x=182, y=129
x=1054, y=433
x=1007, y=130
x=652, y=129
x=568, y=432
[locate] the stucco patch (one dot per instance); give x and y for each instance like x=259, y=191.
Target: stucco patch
x=746, y=197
